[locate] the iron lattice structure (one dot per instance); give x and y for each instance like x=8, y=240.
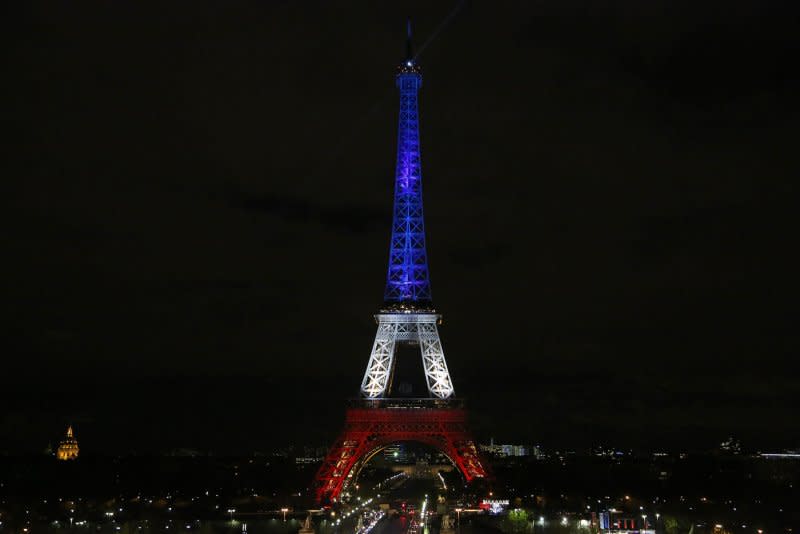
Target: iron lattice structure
x=418, y=328
x=369, y=429
x=408, y=317
x=408, y=282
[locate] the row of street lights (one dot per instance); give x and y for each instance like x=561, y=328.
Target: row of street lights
x=233, y=511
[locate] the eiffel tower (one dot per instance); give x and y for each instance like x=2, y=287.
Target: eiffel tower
x=378, y=418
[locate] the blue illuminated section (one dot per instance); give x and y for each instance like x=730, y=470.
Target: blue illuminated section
x=407, y=282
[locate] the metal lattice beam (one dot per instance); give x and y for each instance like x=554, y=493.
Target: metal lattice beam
x=418, y=328
x=407, y=281
x=370, y=429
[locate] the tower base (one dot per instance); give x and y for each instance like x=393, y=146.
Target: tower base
x=371, y=425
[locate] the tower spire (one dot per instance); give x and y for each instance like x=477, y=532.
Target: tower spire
x=407, y=281
x=409, y=44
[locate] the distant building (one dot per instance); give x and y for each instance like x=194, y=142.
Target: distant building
x=514, y=450
x=618, y=523
x=493, y=506
x=396, y=453
x=507, y=450
x=491, y=448
x=602, y=451
x=68, y=447
x=308, y=460
x=731, y=446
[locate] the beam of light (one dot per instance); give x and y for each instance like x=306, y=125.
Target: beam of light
x=442, y=25
x=348, y=138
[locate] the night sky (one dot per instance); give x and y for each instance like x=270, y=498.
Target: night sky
x=198, y=197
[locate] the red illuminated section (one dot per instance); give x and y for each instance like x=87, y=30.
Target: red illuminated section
x=368, y=430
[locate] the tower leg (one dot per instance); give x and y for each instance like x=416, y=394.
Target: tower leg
x=396, y=328
x=379, y=368
x=349, y=448
x=436, y=373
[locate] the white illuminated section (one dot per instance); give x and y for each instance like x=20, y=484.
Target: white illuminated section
x=396, y=328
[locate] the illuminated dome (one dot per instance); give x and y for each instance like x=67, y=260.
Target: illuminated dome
x=68, y=447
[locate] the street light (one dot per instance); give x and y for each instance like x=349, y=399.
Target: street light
x=458, y=516
x=284, y=510
x=644, y=520
x=231, y=511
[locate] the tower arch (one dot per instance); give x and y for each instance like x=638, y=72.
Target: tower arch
x=355, y=472
x=371, y=426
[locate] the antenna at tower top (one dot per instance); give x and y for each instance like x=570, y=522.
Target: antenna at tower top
x=409, y=47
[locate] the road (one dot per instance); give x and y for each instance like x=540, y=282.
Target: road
x=405, y=496
x=396, y=525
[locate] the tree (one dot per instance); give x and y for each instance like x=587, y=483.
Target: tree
x=518, y=519
x=671, y=525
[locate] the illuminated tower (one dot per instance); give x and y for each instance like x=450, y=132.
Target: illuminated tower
x=377, y=420
x=407, y=282
x=407, y=315
x=68, y=447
